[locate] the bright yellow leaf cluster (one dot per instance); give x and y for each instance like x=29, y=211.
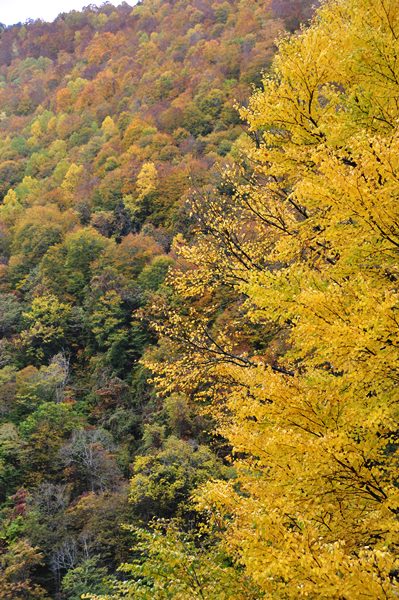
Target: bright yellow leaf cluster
x=310, y=244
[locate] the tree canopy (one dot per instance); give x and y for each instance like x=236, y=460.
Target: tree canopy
x=198, y=302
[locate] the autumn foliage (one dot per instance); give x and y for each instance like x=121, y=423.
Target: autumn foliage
x=289, y=322
x=198, y=302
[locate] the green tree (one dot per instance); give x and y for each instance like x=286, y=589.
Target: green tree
x=49, y=323
x=179, y=566
x=86, y=576
x=67, y=268
x=164, y=478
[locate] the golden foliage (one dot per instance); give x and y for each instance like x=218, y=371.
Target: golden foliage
x=311, y=246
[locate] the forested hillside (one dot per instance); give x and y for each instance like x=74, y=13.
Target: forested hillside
x=110, y=118
x=283, y=324
x=199, y=302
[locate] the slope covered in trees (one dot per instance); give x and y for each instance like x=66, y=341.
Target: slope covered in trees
x=262, y=301
x=282, y=323
x=109, y=119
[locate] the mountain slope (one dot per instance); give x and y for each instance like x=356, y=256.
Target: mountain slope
x=109, y=118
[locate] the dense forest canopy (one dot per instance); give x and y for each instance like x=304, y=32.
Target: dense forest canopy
x=198, y=302
x=109, y=118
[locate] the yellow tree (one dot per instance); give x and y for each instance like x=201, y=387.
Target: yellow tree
x=71, y=182
x=146, y=184
x=311, y=243
x=11, y=207
x=146, y=179
x=108, y=127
